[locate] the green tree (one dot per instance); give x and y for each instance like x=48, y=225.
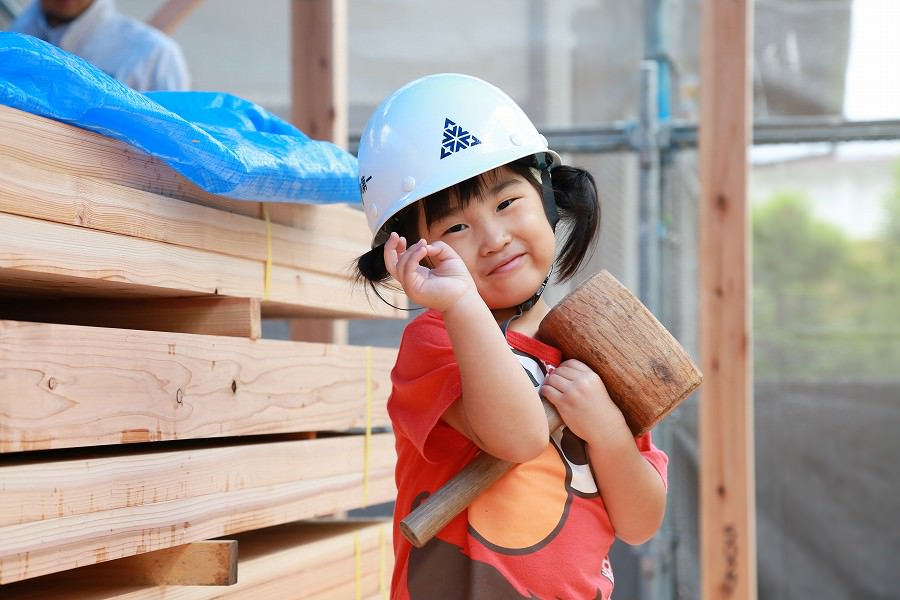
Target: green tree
x=891, y=230
x=873, y=293
x=796, y=258
x=825, y=305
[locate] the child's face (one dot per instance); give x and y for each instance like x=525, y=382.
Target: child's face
x=502, y=236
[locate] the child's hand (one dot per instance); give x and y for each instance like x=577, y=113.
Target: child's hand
x=634, y=493
x=438, y=287
x=583, y=402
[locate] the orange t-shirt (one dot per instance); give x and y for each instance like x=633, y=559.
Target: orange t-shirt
x=542, y=531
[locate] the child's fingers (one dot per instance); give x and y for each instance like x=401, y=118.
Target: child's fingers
x=409, y=260
x=575, y=365
x=439, y=252
x=390, y=250
x=398, y=257
x=573, y=375
x=394, y=247
x=572, y=369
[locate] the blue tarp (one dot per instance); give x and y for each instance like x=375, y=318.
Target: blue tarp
x=224, y=144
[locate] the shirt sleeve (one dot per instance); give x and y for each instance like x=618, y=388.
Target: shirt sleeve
x=167, y=68
x=654, y=456
x=425, y=383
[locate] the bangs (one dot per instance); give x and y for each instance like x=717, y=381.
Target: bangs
x=440, y=204
x=457, y=197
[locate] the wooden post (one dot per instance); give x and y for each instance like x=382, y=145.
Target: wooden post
x=319, y=105
x=171, y=14
x=727, y=490
x=319, y=69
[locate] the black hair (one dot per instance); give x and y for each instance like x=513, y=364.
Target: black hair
x=577, y=203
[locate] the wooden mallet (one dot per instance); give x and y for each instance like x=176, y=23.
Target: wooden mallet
x=602, y=324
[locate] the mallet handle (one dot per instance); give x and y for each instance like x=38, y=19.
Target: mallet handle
x=441, y=507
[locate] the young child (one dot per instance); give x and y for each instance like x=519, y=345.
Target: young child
x=463, y=196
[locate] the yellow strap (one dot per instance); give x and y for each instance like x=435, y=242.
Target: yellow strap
x=268, y=273
x=368, y=437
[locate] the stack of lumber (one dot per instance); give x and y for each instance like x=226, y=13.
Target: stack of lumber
x=145, y=424
x=312, y=560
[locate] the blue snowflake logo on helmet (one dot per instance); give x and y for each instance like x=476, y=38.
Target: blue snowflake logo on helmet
x=456, y=138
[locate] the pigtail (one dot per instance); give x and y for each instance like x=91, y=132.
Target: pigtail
x=369, y=268
x=579, y=210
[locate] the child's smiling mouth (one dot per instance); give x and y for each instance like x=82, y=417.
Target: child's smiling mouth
x=509, y=264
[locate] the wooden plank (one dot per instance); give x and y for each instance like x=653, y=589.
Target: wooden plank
x=50, y=145
x=309, y=559
x=727, y=489
x=63, y=174
x=210, y=562
x=65, y=386
x=209, y=315
x=171, y=14
x=42, y=256
x=324, y=559
x=48, y=249
x=63, y=148
x=336, y=220
x=60, y=514
x=31, y=190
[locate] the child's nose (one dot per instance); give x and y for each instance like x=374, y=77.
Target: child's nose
x=494, y=238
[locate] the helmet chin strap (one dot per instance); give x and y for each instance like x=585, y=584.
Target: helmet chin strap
x=524, y=307
x=548, y=196
x=540, y=167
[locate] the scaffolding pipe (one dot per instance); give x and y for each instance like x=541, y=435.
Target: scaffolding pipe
x=647, y=146
x=619, y=137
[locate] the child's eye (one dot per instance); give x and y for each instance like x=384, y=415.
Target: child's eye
x=505, y=204
x=455, y=228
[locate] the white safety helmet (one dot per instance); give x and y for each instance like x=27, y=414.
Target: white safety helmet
x=435, y=132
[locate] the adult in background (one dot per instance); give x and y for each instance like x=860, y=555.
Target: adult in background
x=138, y=55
